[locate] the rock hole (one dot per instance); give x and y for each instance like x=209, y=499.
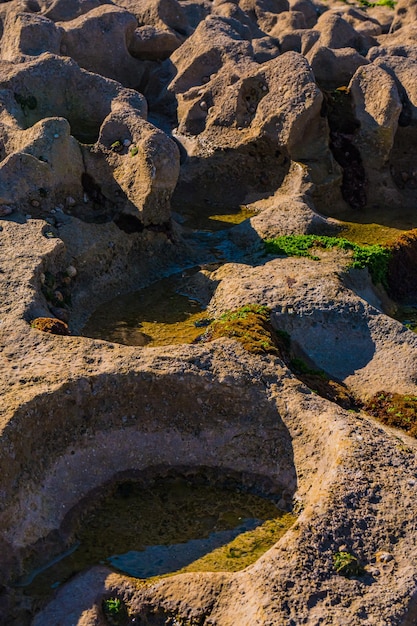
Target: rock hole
x=154, y=525
x=343, y=126
x=129, y=223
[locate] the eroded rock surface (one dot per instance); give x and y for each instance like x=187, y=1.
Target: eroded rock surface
x=112, y=114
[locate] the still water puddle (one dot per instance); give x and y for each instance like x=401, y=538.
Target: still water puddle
x=370, y=233
x=157, y=315
x=407, y=315
x=170, y=526
x=205, y=218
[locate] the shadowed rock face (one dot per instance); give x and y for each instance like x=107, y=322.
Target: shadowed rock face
x=108, y=111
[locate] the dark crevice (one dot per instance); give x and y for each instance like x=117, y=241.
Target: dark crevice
x=402, y=268
x=343, y=126
x=129, y=223
x=354, y=178
x=91, y=188
x=132, y=224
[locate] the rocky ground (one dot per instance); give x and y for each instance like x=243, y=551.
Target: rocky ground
x=115, y=119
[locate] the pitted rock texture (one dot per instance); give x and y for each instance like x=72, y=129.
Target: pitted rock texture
x=130, y=166
x=112, y=113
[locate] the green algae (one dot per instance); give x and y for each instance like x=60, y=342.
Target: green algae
x=250, y=325
x=372, y=256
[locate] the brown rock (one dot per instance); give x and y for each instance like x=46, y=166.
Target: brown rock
x=150, y=43
x=405, y=14
x=336, y=32
x=98, y=42
x=28, y=34
x=334, y=67
x=377, y=107
x=50, y=325
x=307, y=8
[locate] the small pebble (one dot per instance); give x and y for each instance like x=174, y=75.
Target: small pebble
x=203, y=105
x=35, y=203
x=126, y=143
x=56, y=135
x=70, y=201
x=58, y=295
x=71, y=271
x=42, y=278
x=85, y=198
x=384, y=557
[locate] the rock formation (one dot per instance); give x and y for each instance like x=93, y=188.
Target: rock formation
x=119, y=119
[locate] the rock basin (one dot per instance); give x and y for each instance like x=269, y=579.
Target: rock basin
x=246, y=108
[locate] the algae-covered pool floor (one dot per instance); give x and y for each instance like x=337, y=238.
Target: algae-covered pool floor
x=174, y=525
x=157, y=315
x=376, y=225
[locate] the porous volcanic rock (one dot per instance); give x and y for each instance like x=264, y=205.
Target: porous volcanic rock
x=112, y=114
x=40, y=144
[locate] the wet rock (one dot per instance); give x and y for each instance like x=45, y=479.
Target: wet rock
x=60, y=313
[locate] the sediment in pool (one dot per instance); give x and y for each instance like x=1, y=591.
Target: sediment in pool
x=169, y=525
x=154, y=316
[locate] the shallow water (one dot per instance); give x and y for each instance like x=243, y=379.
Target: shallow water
x=408, y=316
x=157, y=315
x=370, y=233
x=206, y=218
x=158, y=529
